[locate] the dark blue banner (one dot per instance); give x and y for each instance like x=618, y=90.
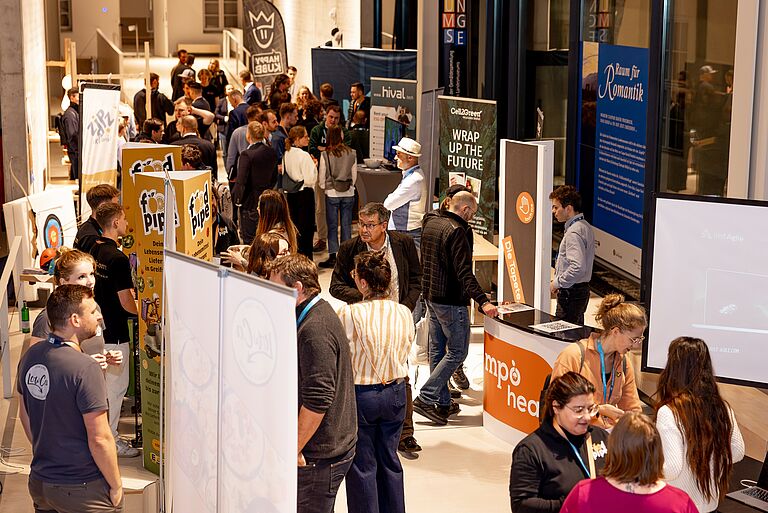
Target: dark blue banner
x=621, y=89
x=341, y=68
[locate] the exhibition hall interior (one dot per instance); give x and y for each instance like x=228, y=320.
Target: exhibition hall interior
x=471, y=255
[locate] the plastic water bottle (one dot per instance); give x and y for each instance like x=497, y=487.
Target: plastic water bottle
x=25, y=318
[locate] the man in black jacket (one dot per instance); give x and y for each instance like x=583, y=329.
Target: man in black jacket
x=160, y=103
x=327, y=409
x=70, y=131
x=256, y=172
x=406, y=280
x=448, y=284
x=189, y=136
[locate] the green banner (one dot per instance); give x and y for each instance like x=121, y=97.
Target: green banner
x=468, y=154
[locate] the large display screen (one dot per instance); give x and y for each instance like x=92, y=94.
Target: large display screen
x=393, y=132
x=710, y=281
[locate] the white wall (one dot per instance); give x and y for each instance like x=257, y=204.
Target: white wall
x=33, y=21
x=185, y=25
x=87, y=16
x=308, y=25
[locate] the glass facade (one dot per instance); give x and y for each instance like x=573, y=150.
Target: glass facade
x=697, y=96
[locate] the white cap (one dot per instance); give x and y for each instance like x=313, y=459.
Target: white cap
x=409, y=147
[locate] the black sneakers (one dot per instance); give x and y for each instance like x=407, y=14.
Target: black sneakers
x=330, y=263
x=455, y=392
x=460, y=379
x=447, y=411
x=429, y=411
x=408, y=444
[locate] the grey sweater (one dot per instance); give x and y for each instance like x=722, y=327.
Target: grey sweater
x=326, y=384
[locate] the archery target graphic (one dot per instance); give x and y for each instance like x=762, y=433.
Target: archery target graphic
x=53, y=232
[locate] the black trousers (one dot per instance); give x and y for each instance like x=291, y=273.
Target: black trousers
x=249, y=221
x=302, y=208
x=572, y=303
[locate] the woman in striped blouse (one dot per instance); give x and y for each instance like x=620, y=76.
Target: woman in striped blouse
x=380, y=332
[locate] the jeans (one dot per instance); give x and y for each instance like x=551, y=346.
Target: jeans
x=88, y=497
x=319, y=481
x=336, y=208
x=448, y=347
x=375, y=480
x=572, y=303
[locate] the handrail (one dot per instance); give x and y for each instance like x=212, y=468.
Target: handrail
x=5, y=335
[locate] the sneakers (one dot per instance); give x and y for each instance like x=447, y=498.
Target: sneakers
x=319, y=246
x=460, y=379
x=429, y=411
x=455, y=392
x=124, y=450
x=408, y=444
x=447, y=411
x=330, y=263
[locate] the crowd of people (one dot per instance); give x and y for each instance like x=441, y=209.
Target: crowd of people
x=292, y=169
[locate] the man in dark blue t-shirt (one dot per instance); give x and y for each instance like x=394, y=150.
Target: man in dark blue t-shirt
x=63, y=409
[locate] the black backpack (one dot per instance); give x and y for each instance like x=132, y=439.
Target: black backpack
x=548, y=379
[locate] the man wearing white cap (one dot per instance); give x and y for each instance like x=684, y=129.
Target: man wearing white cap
x=408, y=202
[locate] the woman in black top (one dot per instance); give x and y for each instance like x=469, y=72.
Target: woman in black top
x=565, y=449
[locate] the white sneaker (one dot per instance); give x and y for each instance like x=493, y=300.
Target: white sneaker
x=126, y=451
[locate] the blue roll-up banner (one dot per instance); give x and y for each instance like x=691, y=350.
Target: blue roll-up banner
x=264, y=37
x=341, y=67
x=616, y=77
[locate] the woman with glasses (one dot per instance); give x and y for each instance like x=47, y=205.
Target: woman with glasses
x=565, y=449
x=601, y=358
x=698, y=429
x=380, y=333
x=631, y=481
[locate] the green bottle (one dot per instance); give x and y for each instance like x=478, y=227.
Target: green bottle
x=25, y=318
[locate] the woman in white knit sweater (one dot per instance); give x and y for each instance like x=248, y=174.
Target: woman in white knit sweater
x=698, y=429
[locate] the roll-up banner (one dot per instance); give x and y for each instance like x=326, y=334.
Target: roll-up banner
x=525, y=222
x=614, y=97
x=395, y=99
x=192, y=224
x=468, y=154
x=264, y=37
x=98, y=138
x=454, y=38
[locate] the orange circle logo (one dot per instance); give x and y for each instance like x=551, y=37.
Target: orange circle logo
x=525, y=208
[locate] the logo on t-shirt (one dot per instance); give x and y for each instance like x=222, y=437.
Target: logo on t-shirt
x=38, y=382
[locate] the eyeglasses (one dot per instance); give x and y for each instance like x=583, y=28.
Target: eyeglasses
x=584, y=410
x=635, y=340
x=371, y=226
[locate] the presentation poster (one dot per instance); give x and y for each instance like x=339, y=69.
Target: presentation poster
x=468, y=154
x=617, y=78
x=193, y=237
x=454, y=41
x=98, y=138
x=395, y=99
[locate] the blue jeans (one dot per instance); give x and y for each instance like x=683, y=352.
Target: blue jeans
x=448, y=347
x=375, y=480
x=336, y=208
x=319, y=481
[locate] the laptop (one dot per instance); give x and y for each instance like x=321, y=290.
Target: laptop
x=755, y=496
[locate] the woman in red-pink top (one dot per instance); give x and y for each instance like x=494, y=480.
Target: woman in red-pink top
x=632, y=477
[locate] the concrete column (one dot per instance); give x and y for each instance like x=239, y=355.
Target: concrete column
x=13, y=112
x=427, y=67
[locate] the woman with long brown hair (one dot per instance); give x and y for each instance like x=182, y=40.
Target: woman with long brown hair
x=337, y=177
x=698, y=429
x=266, y=247
x=632, y=480
x=274, y=216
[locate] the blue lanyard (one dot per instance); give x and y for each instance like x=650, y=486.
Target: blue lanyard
x=306, y=310
x=602, y=373
x=578, y=457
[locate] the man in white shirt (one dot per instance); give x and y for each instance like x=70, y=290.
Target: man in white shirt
x=408, y=201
